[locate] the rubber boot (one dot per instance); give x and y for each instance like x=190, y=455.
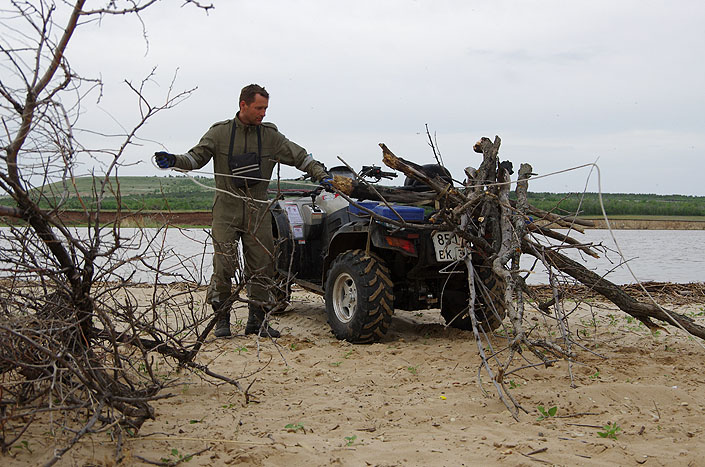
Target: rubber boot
x=255, y=325
x=222, y=326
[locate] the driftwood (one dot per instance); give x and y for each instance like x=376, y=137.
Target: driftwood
x=363, y=191
x=499, y=231
x=616, y=294
x=456, y=202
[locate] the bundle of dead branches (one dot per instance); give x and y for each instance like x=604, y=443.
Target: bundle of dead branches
x=92, y=360
x=79, y=352
x=500, y=230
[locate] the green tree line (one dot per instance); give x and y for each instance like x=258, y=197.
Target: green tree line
x=619, y=204
x=181, y=193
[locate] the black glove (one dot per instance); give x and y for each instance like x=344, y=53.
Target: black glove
x=164, y=160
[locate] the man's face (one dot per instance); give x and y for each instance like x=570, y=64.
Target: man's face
x=252, y=114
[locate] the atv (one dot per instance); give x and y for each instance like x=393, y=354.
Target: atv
x=366, y=265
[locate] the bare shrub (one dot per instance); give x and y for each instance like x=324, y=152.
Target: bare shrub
x=79, y=350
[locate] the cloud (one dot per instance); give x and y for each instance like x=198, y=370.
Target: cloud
x=562, y=83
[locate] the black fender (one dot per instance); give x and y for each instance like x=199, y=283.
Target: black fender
x=281, y=231
x=431, y=170
x=354, y=236
x=350, y=236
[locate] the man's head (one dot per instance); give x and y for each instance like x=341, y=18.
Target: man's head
x=254, y=100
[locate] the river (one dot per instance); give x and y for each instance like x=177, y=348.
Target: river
x=653, y=255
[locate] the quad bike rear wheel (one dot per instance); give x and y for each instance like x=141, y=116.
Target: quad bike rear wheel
x=359, y=297
x=490, y=307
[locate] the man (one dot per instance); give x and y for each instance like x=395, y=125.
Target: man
x=245, y=151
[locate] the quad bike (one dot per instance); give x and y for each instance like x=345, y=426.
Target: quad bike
x=366, y=267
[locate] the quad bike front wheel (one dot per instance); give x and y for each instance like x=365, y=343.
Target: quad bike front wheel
x=359, y=297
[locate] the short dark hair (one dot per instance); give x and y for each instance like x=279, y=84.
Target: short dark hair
x=250, y=91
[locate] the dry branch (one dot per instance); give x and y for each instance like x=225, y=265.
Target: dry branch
x=76, y=356
x=363, y=191
x=489, y=185
x=441, y=187
x=614, y=293
x=499, y=231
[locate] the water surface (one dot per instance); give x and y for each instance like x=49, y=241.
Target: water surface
x=653, y=255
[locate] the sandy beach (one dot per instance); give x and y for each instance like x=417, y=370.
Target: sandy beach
x=415, y=399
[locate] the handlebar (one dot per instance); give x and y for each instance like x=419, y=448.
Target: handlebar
x=372, y=171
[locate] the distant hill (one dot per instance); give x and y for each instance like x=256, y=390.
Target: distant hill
x=153, y=193
x=181, y=193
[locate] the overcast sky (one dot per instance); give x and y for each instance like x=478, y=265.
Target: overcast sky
x=563, y=83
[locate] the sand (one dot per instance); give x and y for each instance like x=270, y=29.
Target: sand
x=414, y=399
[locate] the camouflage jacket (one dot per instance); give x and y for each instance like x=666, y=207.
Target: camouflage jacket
x=275, y=148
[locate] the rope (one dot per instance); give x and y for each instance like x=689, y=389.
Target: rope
x=626, y=263
x=219, y=190
x=188, y=173
x=592, y=165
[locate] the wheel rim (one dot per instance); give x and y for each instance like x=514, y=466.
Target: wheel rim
x=344, y=297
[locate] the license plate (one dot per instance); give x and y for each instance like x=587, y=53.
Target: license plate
x=449, y=246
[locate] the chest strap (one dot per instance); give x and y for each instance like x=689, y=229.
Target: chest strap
x=232, y=140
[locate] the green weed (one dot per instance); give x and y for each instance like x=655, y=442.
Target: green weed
x=546, y=413
x=513, y=384
x=294, y=427
x=412, y=369
x=590, y=324
x=692, y=314
x=176, y=456
x=23, y=445
x=349, y=440
x=611, y=430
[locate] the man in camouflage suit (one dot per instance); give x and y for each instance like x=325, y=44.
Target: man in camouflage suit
x=239, y=209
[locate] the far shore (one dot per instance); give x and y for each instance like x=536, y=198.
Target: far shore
x=650, y=224
x=203, y=218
